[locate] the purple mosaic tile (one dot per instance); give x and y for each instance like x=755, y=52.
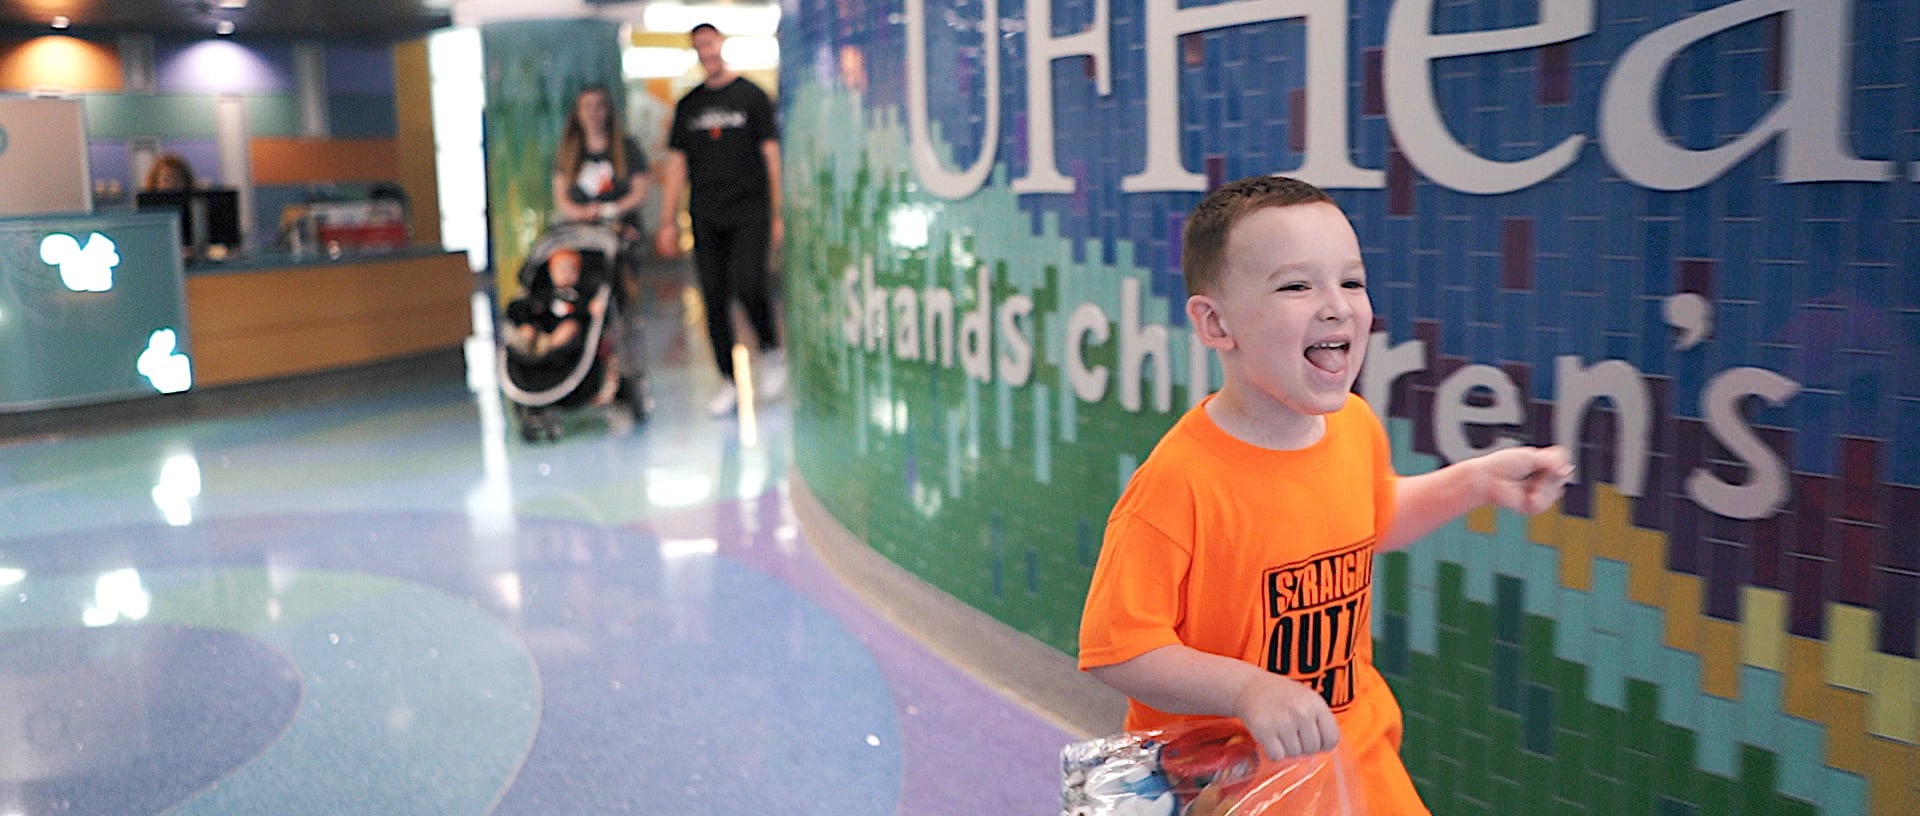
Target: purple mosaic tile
x=1650, y=511
x=1810, y=505
x=1601, y=453
x=1769, y=550
x=1020, y=137
x=1577, y=501
x=1399, y=182
x=1216, y=171
x=1422, y=403
x=1860, y=479
x=1373, y=94
x=1428, y=333
x=1516, y=254
x=1193, y=50
x=1857, y=556
x=1807, y=598
x=1696, y=276
x=1660, y=389
x=1775, y=25
x=1540, y=422
x=1689, y=448
x=1684, y=542
x=1297, y=120
x=1553, y=75
x=1903, y=531
x=1899, y=612
x=1724, y=578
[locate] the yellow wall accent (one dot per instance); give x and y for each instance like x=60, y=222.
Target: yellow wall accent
x=1763, y=627
x=413, y=109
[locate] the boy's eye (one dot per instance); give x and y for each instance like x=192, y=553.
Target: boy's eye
x=1293, y=287
x=1355, y=284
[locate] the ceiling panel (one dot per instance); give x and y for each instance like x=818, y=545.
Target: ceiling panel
x=355, y=19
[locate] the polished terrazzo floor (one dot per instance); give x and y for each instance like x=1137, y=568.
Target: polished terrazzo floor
x=383, y=602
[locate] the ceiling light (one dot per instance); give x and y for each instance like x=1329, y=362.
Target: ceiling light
x=233, y=4
x=223, y=28
x=61, y=22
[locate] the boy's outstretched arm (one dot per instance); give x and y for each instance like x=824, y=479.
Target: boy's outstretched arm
x=1282, y=714
x=1524, y=480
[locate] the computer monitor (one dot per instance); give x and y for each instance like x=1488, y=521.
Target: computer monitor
x=207, y=217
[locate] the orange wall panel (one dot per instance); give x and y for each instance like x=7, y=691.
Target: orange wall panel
x=296, y=160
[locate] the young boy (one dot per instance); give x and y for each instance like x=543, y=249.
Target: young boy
x=1236, y=574
x=550, y=318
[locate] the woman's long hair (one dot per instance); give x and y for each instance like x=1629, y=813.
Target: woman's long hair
x=573, y=140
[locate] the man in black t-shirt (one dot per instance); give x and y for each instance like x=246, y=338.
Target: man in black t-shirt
x=725, y=146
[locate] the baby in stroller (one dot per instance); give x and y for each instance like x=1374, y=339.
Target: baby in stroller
x=564, y=336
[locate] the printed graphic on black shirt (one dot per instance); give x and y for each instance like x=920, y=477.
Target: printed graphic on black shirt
x=715, y=120
x=1312, y=608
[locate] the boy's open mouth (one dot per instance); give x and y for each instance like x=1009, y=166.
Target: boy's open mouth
x=1330, y=356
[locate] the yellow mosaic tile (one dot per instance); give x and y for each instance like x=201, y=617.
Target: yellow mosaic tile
x=1719, y=658
x=1576, y=560
x=1763, y=628
x=1681, y=602
x=1646, y=565
x=1849, y=641
x=1482, y=520
x=1804, y=676
x=1848, y=746
x=1891, y=779
x=1895, y=710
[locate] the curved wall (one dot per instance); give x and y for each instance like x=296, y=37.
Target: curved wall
x=1682, y=242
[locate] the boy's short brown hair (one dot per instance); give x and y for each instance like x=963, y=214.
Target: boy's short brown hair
x=1203, y=242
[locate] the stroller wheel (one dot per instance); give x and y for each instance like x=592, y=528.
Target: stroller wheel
x=529, y=432
x=634, y=391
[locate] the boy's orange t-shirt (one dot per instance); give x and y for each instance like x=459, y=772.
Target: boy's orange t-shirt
x=1265, y=556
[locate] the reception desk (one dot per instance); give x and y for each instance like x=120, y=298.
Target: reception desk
x=280, y=316
x=99, y=308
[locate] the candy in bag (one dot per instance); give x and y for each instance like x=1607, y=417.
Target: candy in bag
x=1209, y=767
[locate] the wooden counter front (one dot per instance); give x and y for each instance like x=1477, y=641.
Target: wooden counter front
x=261, y=321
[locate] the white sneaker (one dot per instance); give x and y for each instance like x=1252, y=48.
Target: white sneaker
x=771, y=378
x=725, y=401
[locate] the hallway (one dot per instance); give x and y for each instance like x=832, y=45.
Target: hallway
x=381, y=601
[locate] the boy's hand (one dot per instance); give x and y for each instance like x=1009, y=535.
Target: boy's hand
x=1286, y=717
x=1526, y=480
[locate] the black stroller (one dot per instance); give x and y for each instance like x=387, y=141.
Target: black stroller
x=602, y=364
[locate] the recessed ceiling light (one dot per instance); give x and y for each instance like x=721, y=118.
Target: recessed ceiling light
x=233, y=4
x=223, y=28
x=61, y=22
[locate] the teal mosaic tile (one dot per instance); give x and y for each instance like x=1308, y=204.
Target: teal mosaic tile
x=1572, y=640
x=1608, y=607
x=1606, y=678
x=1542, y=576
x=1506, y=677
x=1508, y=615
x=1645, y=655
x=1760, y=696
x=1539, y=719
x=1042, y=436
x=1717, y=726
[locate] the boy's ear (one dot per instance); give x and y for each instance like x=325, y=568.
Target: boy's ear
x=1203, y=313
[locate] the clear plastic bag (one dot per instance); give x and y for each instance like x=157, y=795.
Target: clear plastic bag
x=1208, y=767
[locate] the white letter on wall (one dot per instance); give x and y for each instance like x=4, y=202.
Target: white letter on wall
x=1766, y=487
x=1016, y=350
x=1414, y=114
x=1812, y=113
x=1089, y=384
x=1043, y=173
x=1452, y=415
x=933, y=172
x=1578, y=387
x=1327, y=162
x=1137, y=343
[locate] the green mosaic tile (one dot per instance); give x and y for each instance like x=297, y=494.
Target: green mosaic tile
x=1605, y=729
x=1570, y=765
x=1474, y=757
x=1643, y=707
x=1759, y=777
x=1603, y=795
x=1451, y=579
x=1478, y=621
x=1540, y=660
x=1571, y=683
x=1395, y=576
x=1670, y=806
x=1391, y=647
x=1677, y=748
x=1476, y=695
x=1536, y=783
x=1442, y=783
x=1503, y=732
x=1539, y=719
x=1567, y=807
x=1509, y=597
x=1506, y=677
x=1506, y=796
x=1637, y=783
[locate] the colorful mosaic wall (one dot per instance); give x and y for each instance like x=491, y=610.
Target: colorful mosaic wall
x=1680, y=237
